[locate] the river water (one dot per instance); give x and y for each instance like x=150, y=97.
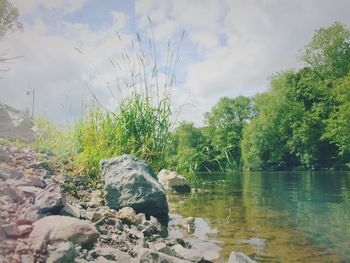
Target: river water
x=271, y=216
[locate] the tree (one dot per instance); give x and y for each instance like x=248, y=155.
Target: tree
x=8, y=22
x=265, y=139
x=338, y=124
x=8, y=18
x=329, y=51
x=185, y=151
x=302, y=121
x=225, y=123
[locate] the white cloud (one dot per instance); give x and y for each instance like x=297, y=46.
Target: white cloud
x=60, y=66
x=66, y=6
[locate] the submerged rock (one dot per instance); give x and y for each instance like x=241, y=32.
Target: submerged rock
x=188, y=224
x=238, y=257
x=132, y=182
x=173, y=181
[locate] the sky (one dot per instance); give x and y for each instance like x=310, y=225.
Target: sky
x=230, y=48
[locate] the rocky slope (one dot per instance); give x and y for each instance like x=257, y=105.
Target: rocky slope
x=48, y=217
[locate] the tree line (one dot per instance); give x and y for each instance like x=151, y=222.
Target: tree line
x=302, y=122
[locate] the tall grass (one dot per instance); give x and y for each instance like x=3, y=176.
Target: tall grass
x=141, y=123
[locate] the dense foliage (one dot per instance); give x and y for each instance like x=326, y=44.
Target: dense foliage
x=300, y=122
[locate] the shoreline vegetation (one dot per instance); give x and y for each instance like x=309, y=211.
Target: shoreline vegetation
x=299, y=123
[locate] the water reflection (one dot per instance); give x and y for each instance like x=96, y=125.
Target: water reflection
x=275, y=217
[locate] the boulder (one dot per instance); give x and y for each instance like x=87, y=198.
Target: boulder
x=238, y=257
x=15, y=124
x=129, y=181
x=148, y=255
x=173, y=181
x=53, y=229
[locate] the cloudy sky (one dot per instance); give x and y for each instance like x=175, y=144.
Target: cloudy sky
x=230, y=48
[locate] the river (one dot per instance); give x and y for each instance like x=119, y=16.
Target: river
x=271, y=216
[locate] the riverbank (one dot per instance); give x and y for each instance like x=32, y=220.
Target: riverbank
x=49, y=217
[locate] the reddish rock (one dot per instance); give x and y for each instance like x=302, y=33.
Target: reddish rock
x=63, y=228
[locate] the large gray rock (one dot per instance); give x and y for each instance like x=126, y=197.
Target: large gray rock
x=132, y=182
x=15, y=124
x=53, y=229
x=238, y=257
x=173, y=182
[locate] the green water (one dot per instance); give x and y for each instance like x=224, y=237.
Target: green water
x=274, y=217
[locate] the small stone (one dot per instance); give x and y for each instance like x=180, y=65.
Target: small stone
x=70, y=210
x=27, y=258
x=127, y=215
x=97, y=214
x=111, y=254
x=149, y=230
x=146, y=255
x=110, y=221
x=154, y=221
x=168, y=251
x=96, y=200
x=173, y=181
x=188, y=224
x=65, y=252
x=50, y=200
x=140, y=218
x=135, y=233
x=25, y=229
x=10, y=230
x=188, y=254
x=119, y=224
x=158, y=246
x=102, y=230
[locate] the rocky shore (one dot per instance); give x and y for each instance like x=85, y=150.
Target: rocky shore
x=49, y=217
